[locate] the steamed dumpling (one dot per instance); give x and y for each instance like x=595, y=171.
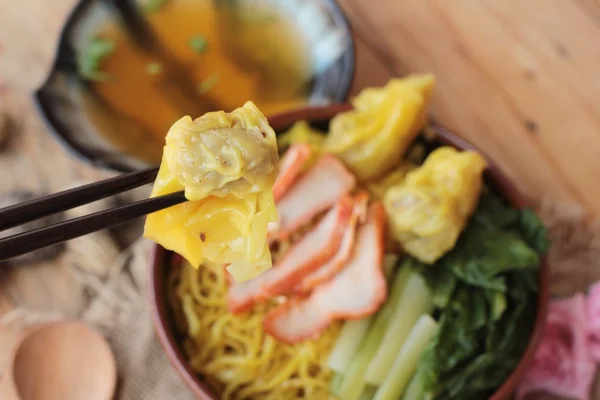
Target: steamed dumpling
x=430, y=208
x=372, y=138
x=226, y=163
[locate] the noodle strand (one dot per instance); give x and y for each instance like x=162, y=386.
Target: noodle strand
x=232, y=352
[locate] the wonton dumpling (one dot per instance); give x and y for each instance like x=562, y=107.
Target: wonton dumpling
x=226, y=163
x=302, y=133
x=429, y=210
x=372, y=138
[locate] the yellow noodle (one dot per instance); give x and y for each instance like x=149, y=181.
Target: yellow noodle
x=233, y=353
x=173, y=299
x=192, y=320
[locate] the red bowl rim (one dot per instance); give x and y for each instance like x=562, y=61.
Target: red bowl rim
x=158, y=301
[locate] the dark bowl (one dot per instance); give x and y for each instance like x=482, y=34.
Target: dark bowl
x=60, y=99
x=163, y=317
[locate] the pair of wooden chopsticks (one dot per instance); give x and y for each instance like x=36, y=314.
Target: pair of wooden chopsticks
x=16, y=245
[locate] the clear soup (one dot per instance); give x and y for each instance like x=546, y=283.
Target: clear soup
x=216, y=55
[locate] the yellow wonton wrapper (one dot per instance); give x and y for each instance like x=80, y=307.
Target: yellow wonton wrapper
x=302, y=132
x=372, y=138
x=429, y=210
x=226, y=163
x=378, y=188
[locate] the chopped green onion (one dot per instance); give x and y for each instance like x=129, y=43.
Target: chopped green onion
x=198, y=43
x=88, y=61
x=208, y=83
x=154, y=5
x=153, y=68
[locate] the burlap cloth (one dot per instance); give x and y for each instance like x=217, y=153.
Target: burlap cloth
x=118, y=305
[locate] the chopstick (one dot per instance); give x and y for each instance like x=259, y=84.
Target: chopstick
x=15, y=245
x=37, y=208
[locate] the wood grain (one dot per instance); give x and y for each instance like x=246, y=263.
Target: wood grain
x=516, y=78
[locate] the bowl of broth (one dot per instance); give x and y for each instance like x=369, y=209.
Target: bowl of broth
x=110, y=96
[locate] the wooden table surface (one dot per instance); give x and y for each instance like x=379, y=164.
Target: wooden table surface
x=518, y=78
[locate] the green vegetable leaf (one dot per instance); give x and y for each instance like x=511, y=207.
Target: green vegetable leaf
x=154, y=5
x=441, y=281
x=497, y=303
x=487, y=285
x=534, y=231
x=208, y=83
x=489, y=247
x=198, y=43
x=153, y=68
x=492, y=210
x=89, y=60
x=485, y=255
x=458, y=329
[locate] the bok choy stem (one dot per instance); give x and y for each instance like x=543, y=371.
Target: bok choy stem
x=415, y=301
x=406, y=360
x=354, y=380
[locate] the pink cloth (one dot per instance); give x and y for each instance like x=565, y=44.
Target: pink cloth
x=593, y=318
x=563, y=363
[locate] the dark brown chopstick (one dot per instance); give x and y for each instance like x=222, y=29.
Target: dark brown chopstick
x=26, y=242
x=37, y=208
x=18, y=244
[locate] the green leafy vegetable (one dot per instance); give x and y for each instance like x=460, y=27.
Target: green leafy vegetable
x=208, y=83
x=154, y=5
x=497, y=303
x=89, y=60
x=198, y=43
x=485, y=289
x=441, y=281
x=489, y=247
x=492, y=210
x=534, y=232
x=153, y=68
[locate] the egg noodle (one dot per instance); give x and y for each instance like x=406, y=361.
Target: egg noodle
x=233, y=353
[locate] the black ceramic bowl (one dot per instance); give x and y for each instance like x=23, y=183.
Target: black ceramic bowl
x=60, y=99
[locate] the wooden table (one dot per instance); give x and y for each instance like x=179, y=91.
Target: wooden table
x=518, y=78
